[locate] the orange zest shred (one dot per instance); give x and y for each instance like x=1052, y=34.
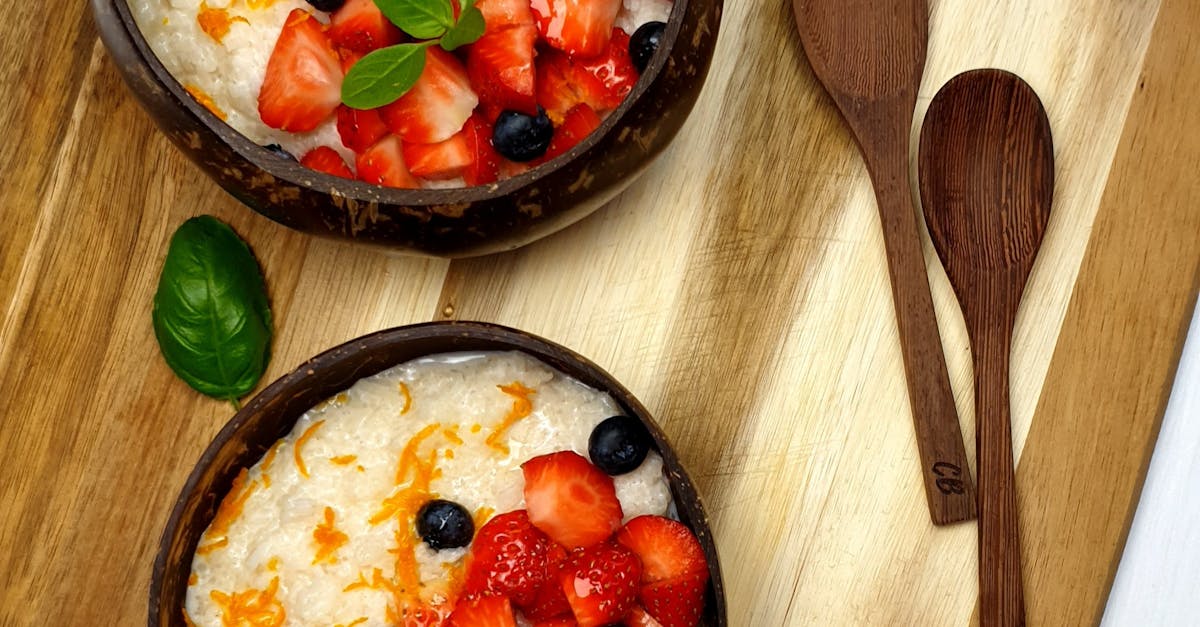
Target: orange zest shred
x=212, y=546
x=328, y=538
x=267, y=460
x=521, y=408
x=205, y=100
x=343, y=460
x=408, y=456
x=482, y=515
x=452, y=435
x=308, y=433
x=449, y=453
x=358, y=621
x=360, y=468
x=260, y=4
x=273, y=564
x=192, y=579
x=228, y=511
x=216, y=22
x=476, y=427
x=258, y=608
x=407, y=399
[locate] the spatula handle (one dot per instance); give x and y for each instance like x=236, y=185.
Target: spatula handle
x=1001, y=595
x=947, y=478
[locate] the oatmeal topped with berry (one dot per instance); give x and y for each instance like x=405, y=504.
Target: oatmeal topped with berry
x=459, y=489
x=408, y=93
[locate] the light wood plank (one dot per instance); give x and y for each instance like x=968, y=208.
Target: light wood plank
x=1111, y=374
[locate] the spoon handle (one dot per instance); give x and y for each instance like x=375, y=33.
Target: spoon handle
x=947, y=478
x=1001, y=598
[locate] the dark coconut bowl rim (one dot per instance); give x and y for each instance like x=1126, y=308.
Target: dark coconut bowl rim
x=248, y=435
x=299, y=175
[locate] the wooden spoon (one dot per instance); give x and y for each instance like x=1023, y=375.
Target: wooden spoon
x=870, y=55
x=987, y=178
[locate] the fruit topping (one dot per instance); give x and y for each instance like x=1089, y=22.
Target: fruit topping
x=639, y=618
x=578, y=124
x=571, y=500
x=483, y=611
x=644, y=43
x=601, y=583
x=676, y=602
x=560, y=621
x=522, y=137
x=619, y=444
x=578, y=27
x=562, y=84
x=441, y=161
x=445, y=524
x=327, y=6
x=383, y=164
x=438, y=104
x=666, y=547
x=614, y=69
x=360, y=26
x=501, y=68
x=303, y=82
x=360, y=129
x=485, y=162
x=327, y=160
x=511, y=557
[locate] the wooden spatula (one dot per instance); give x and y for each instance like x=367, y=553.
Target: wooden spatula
x=870, y=55
x=987, y=178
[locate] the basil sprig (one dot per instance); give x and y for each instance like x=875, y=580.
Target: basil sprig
x=385, y=75
x=211, y=315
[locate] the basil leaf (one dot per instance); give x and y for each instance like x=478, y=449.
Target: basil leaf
x=383, y=76
x=422, y=19
x=211, y=314
x=469, y=28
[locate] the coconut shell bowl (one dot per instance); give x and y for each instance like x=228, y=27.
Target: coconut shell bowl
x=434, y=222
x=272, y=414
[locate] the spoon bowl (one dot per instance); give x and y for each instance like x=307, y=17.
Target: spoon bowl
x=987, y=179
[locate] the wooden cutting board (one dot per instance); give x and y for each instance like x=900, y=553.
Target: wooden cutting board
x=739, y=288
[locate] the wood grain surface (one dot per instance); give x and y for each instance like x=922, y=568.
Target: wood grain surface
x=739, y=289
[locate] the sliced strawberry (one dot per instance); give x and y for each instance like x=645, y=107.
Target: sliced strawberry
x=438, y=104
x=483, y=611
x=579, y=27
x=439, y=162
x=666, y=547
x=349, y=58
x=614, y=68
x=639, y=618
x=500, y=65
x=510, y=557
x=327, y=160
x=421, y=615
x=360, y=129
x=500, y=13
x=562, y=621
x=550, y=602
x=360, y=26
x=601, y=583
x=579, y=122
x=562, y=84
x=676, y=602
x=485, y=162
x=303, y=81
x=383, y=164
x=571, y=500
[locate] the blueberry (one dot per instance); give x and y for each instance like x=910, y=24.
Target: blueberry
x=521, y=137
x=619, y=444
x=644, y=44
x=329, y=6
x=445, y=525
x=278, y=150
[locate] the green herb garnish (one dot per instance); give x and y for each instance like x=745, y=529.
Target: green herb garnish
x=385, y=75
x=211, y=314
